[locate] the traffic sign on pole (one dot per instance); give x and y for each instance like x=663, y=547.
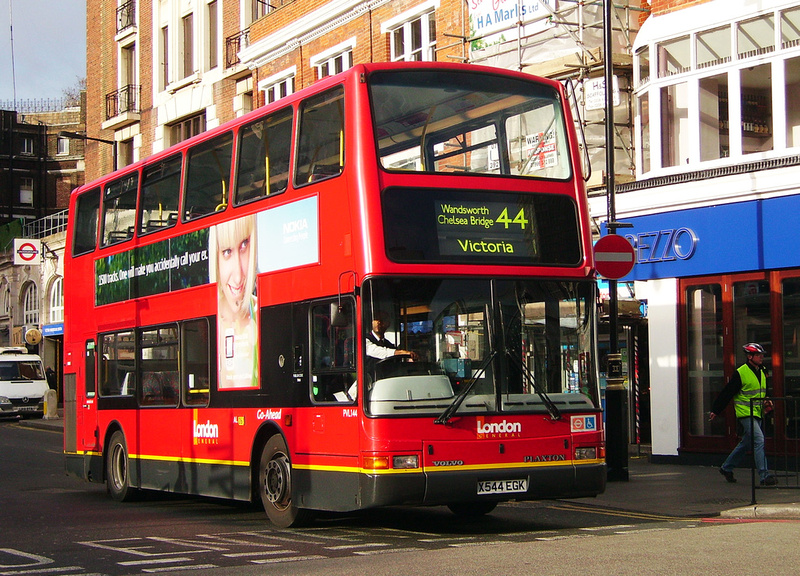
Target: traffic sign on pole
x=613, y=256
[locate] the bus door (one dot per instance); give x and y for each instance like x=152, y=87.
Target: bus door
x=333, y=420
x=85, y=403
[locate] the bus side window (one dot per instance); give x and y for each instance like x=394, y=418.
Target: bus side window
x=86, y=215
x=332, y=354
x=158, y=366
x=320, y=148
x=161, y=184
x=119, y=209
x=117, y=364
x=196, y=355
x=263, y=157
x=208, y=176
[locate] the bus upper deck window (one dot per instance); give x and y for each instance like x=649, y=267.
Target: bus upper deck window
x=320, y=149
x=86, y=214
x=161, y=184
x=119, y=209
x=208, y=176
x=263, y=165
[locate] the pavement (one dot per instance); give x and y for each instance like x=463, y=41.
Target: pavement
x=668, y=490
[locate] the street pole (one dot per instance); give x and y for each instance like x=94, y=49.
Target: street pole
x=76, y=136
x=616, y=393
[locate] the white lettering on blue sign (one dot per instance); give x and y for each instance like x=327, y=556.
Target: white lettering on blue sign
x=664, y=245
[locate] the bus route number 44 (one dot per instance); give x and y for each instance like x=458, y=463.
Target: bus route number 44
x=502, y=486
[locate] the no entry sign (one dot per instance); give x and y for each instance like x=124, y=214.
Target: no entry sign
x=613, y=256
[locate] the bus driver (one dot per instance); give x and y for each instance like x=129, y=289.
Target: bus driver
x=378, y=346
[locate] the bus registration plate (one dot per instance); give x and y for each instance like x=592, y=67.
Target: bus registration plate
x=502, y=486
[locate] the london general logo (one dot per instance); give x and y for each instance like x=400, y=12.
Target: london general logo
x=583, y=423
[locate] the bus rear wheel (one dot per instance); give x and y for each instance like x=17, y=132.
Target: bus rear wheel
x=117, y=477
x=471, y=509
x=275, y=485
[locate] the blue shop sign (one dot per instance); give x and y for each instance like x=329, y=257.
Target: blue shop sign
x=728, y=238
x=53, y=329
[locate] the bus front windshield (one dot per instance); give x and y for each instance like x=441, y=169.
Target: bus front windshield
x=448, y=347
x=462, y=122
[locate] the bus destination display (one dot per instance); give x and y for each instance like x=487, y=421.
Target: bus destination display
x=483, y=228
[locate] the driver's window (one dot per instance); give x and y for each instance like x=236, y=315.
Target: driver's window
x=333, y=349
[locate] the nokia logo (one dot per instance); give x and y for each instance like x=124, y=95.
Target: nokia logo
x=448, y=462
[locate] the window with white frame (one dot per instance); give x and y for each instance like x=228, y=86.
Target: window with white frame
x=213, y=44
x=337, y=59
x=720, y=94
x=187, y=45
x=164, y=58
x=26, y=191
x=30, y=304
x=57, y=300
x=27, y=145
x=279, y=85
x=62, y=146
x=412, y=35
x=6, y=302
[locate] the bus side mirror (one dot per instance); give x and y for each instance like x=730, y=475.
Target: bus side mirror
x=338, y=317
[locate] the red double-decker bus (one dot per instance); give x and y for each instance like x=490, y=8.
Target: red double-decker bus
x=376, y=291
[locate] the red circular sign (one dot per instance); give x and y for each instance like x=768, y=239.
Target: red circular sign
x=613, y=256
x=27, y=251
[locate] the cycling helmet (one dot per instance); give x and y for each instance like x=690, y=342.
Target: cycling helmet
x=753, y=348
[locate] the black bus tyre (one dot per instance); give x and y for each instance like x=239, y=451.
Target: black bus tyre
x=275, y=485
x=117, y=469
x=471, y=509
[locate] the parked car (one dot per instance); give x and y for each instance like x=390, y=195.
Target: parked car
x=22, y=383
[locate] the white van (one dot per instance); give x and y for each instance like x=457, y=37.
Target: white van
x=22, y=383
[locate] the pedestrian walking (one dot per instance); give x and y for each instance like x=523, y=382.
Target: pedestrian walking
x=748, y=382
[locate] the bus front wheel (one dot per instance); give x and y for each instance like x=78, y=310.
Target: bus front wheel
x=275, y=484
x=117, y=477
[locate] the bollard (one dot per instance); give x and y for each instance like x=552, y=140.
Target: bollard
x=50, y=405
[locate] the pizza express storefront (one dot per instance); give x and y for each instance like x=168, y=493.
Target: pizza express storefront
x=725, y=275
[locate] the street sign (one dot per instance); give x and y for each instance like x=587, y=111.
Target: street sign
x=27, y=251
x=613, y=256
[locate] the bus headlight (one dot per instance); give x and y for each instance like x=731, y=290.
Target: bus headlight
x=405, y=462
x=586, y=453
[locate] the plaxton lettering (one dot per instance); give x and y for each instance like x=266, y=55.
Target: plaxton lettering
x=546, y=458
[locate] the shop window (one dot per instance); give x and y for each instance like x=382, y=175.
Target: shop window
x=674, y=125
x=644, y=138
x=790, y=28
x=751, y=316
x=674, y=57
x=792, y=88
x=704, y=357
x=643, y=61
x=713, y=47
x=714, y=125
x=756, y=36
x=756, y=107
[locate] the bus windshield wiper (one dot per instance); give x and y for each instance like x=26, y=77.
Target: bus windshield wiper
x=445, y=416
x=555, y=413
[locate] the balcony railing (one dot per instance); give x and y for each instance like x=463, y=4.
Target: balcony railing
x=235, y=43
x=126, y=15
x=126, y=99
x=46, y=226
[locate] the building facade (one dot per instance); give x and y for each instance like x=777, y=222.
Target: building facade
x=715, y=209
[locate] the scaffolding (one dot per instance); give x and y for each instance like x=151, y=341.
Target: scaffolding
x=563, y=40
